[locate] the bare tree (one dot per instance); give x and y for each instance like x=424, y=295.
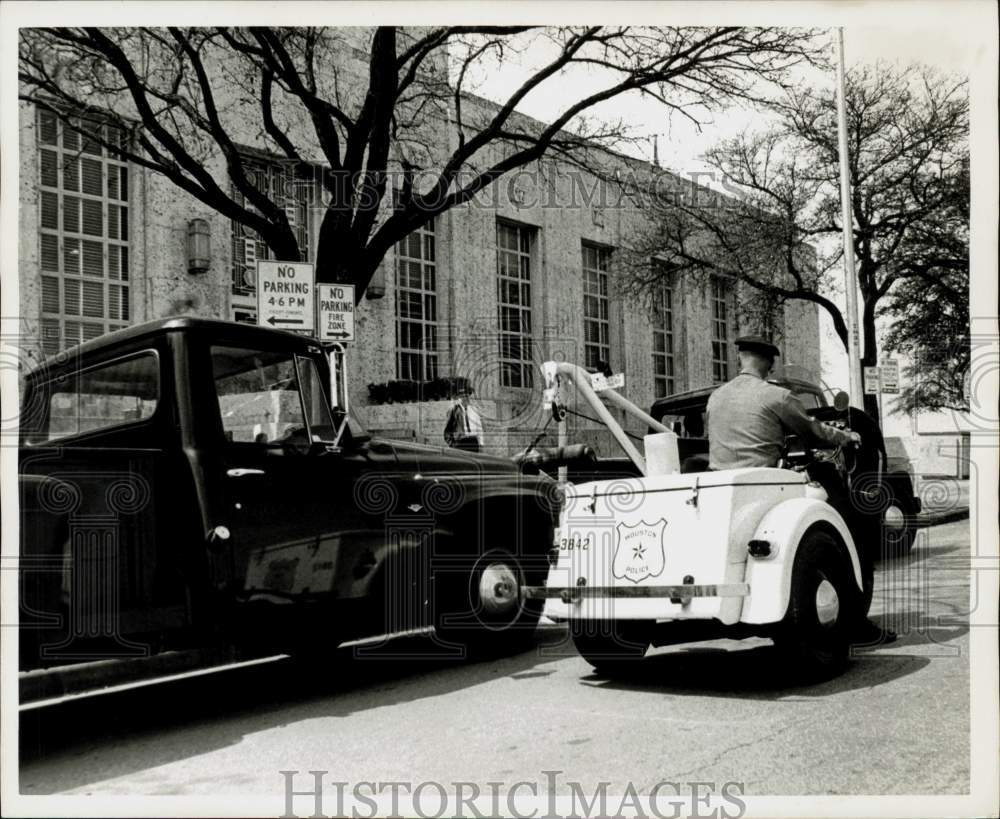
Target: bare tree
x=186, y=95
x=777, y=226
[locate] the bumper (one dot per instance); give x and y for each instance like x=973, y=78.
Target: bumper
x=574, y=594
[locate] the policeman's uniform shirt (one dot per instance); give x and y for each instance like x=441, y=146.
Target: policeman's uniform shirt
x=748, y=419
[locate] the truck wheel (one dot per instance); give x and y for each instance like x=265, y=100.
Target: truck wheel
x=899, y=528
x=611, y=645
x=483, y=610
x=824, y=601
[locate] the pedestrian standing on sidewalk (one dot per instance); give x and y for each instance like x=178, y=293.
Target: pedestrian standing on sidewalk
x=464, y=427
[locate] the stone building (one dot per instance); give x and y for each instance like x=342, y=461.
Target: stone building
x=528, y=271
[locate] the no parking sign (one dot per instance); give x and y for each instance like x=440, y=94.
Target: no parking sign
x=336, y=312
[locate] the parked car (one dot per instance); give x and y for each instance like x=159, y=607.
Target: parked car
x=185, y=483
x=685, y=412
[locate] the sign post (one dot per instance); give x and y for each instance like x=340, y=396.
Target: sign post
x=336, y=312
x=285, y=295
x=335, y=322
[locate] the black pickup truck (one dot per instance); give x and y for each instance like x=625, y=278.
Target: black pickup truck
x=185, y=483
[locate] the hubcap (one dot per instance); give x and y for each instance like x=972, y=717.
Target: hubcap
x=498, y=589
x=894, y=518
x=827, y=603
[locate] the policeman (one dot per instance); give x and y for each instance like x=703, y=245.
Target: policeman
x=748, y=419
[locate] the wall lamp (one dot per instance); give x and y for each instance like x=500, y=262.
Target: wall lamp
x=199, y=246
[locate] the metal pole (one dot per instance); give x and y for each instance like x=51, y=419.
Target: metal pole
x=850, y=275
x=561, y=440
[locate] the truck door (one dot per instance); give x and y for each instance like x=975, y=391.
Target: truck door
x=99, y=531
x=285, y=497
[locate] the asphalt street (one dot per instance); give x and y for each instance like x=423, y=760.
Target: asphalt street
x=896, y=722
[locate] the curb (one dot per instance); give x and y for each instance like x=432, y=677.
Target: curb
x=925, y=520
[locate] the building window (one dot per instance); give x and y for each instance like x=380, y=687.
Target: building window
x=416, y=306
x=664, y=363
x=720, y=329
x=83, y=231
x=514, y=300
x=596, y=321
x=277, y=181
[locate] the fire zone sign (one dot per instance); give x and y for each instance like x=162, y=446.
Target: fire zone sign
x=285, y=295
x=336, y=312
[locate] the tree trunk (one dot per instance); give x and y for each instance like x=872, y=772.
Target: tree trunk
x=869, y=356
x=339, y=261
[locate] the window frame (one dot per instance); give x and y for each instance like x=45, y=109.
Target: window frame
x=428, y=358
x=118, y=282
x=664, y=324
x=296, y=358
x=602, y=281
x=721, y=319
x=306, y=195
x=46, y=388
x=515, y=347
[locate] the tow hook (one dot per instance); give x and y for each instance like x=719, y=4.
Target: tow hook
x=569, y=597
x=686, y=599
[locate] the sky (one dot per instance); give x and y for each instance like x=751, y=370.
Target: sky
x=940, y=41
x=680, y=142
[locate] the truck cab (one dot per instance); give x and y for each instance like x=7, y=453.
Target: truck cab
x=187, y=483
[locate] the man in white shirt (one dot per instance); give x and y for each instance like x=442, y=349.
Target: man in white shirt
x=464, y=427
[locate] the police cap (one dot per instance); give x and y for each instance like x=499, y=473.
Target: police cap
x=757, y=344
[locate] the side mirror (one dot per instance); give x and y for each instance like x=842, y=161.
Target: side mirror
x=841, y=401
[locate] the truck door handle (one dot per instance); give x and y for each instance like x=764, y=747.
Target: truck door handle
x=240, y=472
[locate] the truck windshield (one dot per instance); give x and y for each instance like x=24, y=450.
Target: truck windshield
x=268, y=397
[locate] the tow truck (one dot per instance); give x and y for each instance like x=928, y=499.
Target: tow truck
x=670, y=557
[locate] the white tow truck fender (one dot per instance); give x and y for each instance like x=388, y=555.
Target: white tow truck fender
x=770, y=578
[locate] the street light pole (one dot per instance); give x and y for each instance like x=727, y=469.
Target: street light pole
x=850, y=274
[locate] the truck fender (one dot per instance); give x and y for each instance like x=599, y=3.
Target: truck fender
x=770, y=578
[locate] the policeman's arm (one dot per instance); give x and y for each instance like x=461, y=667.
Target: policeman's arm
x=811, y=431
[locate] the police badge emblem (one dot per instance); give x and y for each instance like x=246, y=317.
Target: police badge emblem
x=640, y=551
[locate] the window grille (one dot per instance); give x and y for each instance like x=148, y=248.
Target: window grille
x=278, y=182
x=514, y=304
x=596, y=306
x=416, y=306
x=664, y=363
x=83, y=201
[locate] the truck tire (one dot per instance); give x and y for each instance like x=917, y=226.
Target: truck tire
x=897, y=540
x=824, y=602
x=483, y=610
x=611, y=645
